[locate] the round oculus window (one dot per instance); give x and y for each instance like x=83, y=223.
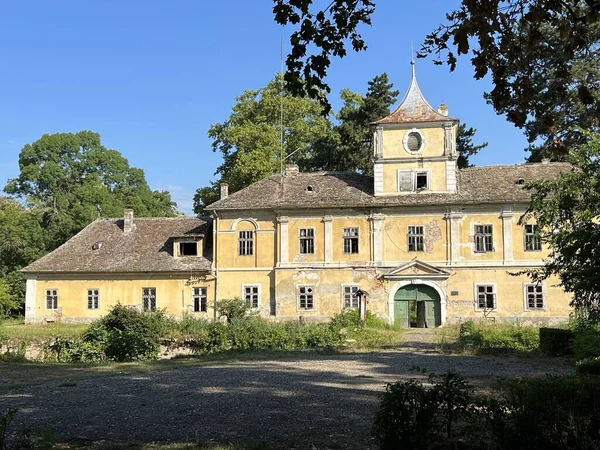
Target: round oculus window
x=414, y=141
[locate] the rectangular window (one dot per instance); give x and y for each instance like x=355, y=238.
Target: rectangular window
x=307, y=240
x=51, y=298
x=415, y=239
x=534, y=296
x=305, y=297
x=200, y=300
x=411, y=180
x=246, y=243
x=350, y=240
x=188, y=249
x=421, y=181
x=483, y=239
x=93, y=298
x=350, y=297
x=486, y=297
x=149, y=299
x=533, y=241
x=252, y=295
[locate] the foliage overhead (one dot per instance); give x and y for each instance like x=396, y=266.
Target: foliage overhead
x=326, y=31
x=566, y=211
x=73, y=179
x=465, y=146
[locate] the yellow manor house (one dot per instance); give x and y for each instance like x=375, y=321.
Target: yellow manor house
x=427, y=243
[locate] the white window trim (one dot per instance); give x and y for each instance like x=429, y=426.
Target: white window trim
x=357, y=237
x=405, y=141
x=155, y=299
x=476, y=296
x=544, y=293
x=244, y=286
x=414, y=179
x=407, y=235
x=314, y=238
x=344, y=286
x=525, y=239
x=298, y=308
x=87, y=301
x=192, y=308
x=474, y=251
x=46, y=299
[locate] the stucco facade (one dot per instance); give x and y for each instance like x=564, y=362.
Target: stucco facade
x=427, y=243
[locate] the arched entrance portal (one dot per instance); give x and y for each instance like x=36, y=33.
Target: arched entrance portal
x=417, y=306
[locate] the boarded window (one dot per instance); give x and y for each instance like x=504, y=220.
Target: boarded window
x=188, y=249
x=405, y=181
x=350, y=297
x=415, y=239
x=149, y=298
x=51, y=298
x=199, y=299
x=486, y=297
x=307, y=240
x=93, y=298
x=252, y=295
x=246, y=243
x=414, y=141
x=533, y=241
x=535, y=296
x=305, y=297
x=483, y=239
x=350, y=240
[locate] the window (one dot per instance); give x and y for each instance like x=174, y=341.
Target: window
x=486, y=296
x=246, y=243
x=350, y=297
x=51, y=298
x=252, y=295
x=533, y=241
x=421, y=181
x=188, y=249
x=413, y=141
x=415, y=239
x=93, y=298
x=149, y=299
x=483, y=239
x=350, y=240
x=200, y=300
x=534, y=296
x=307, y=240
x=306, y=299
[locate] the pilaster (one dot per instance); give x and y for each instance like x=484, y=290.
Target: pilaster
x=328, y=221
x=378, y=222
x=454, y=217
x=30, y=296
x=378, y=177
x=507, y=235
x=283, y=239
x=451, y=175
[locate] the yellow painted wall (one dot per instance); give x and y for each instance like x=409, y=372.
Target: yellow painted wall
x=467, y=240
x=364, y=240
x=231, y=285
x=294, y=226
x=433, y=138
x=395, y=238
x=437, y=175
x=174, y=293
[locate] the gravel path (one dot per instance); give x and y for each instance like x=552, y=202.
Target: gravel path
x=312, y=399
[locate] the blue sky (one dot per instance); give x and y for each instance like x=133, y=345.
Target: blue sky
x=151, y=77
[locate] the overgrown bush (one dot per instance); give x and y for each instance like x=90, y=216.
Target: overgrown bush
x=497, y=337
x=556, y=341
x=233, y=308
x=588, y=366
x=586, y=344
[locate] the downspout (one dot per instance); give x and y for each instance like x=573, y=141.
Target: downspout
x=215, y=261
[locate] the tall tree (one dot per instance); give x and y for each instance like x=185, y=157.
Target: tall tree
x=465, y=146
x=566, y=211
x=250, y=140
x=73, y=179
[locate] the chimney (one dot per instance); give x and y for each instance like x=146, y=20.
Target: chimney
x=224, y=190
x=443, y=109
x=128, y=221
x=291, y=170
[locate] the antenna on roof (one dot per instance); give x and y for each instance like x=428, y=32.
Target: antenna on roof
x=282, y=157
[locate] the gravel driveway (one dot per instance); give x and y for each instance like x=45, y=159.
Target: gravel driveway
x=308, y=399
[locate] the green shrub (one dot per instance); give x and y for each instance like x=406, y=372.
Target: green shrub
x=586, y=343
x=556, y=341
x=588, y=366
x=498, y=337
x=70, y=350
x=233, y=308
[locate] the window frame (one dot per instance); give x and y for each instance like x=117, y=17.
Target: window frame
x=150, y=297
x=307, y=239
x=406, y=137
x=413, y=177
x=484, y=235
x=416, y=238
x=352, y=296
x=532, y=238
x=526, y=306
x=54, y=299
x=258, y=293
x=199, y=297
x=246, y=243
x=299, y=295
x=350, y=239
x=179, y=249
x=494, y=293
x=90, y=298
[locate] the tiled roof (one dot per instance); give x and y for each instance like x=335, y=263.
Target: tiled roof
x=148, y=248
x=491, y=184
x=414, y=107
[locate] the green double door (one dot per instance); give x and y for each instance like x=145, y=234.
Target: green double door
x=417, y=306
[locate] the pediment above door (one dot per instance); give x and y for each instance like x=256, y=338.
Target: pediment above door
x=414, y=269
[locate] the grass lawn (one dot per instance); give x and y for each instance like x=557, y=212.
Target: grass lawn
x=16, y=329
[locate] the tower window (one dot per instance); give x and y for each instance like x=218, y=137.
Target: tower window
x=414, y=141
x=421, y=181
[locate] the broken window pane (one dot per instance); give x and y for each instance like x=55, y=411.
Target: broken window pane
x=305, y=297
x=149, y=299
x=246, y=243
x=350, y=297
x=188, y=249
x=307, y=240
x=415, y=239
x=421, y=181
x=486, y=297
x=350, y=240
x=252, y=296
x=93, y=298
x=483, y=239
x=199, y=299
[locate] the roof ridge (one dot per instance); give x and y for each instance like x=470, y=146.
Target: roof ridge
x=525, y=164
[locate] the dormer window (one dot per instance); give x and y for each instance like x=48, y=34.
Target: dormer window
x=188, y=249
x=414, y=180
x=421, y=181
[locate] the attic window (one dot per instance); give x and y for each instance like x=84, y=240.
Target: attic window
x=421, y=181
x=97, y=245
x=520, y=181
x=309, y=188
x=188, y=249
x=413, y=141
